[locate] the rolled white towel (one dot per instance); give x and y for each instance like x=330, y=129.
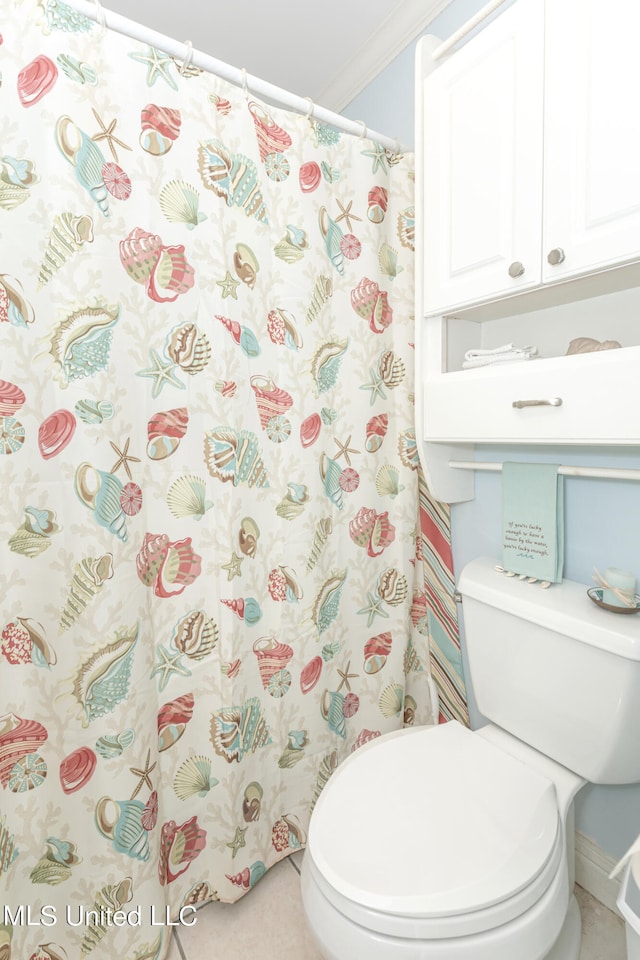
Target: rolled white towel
x=508, y=353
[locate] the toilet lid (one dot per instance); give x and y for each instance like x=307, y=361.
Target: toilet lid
x=433, y=822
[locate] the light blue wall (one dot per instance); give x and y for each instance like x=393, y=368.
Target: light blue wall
x=602, y=516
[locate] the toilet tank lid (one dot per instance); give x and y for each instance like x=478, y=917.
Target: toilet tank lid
x=564, y=608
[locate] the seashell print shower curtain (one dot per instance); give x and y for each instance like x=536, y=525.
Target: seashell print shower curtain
x=220, y=570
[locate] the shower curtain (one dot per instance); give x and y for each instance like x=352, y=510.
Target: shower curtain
x=220, y=569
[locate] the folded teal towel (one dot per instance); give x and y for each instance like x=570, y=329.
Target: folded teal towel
x=533, y=520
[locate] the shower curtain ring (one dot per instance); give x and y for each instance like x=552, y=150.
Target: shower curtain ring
x=364, y=129
x=245, y=85
x=309, y=114
x=188, y=60
x=101, y=18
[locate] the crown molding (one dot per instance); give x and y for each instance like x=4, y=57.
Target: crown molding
x=406, y=21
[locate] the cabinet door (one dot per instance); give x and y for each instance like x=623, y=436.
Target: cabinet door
x=592, y=136
x=483, y=117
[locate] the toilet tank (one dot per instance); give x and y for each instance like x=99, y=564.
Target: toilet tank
x=555, y=670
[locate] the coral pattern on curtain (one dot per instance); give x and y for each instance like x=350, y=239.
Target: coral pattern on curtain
x=220, y=571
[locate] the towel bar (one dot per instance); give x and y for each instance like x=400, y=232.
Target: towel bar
x=612, y=473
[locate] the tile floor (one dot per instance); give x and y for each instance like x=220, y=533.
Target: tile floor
x=268, y=924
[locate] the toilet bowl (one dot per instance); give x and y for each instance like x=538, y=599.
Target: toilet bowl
x=442, y=843
x=411, y=857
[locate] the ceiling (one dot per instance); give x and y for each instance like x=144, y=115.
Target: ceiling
x=326, y=51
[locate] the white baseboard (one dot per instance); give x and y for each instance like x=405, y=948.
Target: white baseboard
x=593, y=867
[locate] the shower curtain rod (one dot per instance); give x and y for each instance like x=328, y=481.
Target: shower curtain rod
x=184, y=51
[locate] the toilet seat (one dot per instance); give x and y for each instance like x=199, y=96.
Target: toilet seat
x=446, y=834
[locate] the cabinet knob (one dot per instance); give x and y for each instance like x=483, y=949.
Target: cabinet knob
x=516, y=269
x=555, y=256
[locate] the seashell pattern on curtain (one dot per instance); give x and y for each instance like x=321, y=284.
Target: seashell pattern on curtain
x=220, y=569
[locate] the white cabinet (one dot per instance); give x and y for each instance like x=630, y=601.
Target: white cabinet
x=592, y=135
x=583, y=399
x=531, y=152
x=482, y=167
x=528, y=231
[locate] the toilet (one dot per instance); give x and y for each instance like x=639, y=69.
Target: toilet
x=442, y=843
